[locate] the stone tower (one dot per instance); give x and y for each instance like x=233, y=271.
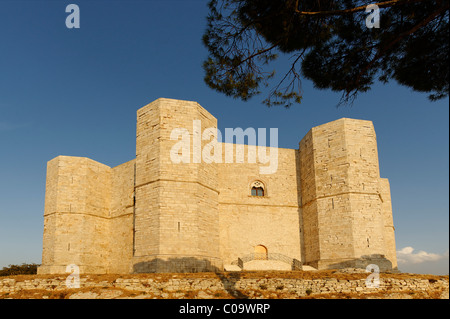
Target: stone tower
x=176, y=213
x=77, y=206
x=345, y=205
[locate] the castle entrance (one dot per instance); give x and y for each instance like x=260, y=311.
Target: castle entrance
x=260, y=252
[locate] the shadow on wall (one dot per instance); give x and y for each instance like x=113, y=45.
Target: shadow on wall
x=178, y=265
x=229, y=281
x=384, y=264
x=191, y=265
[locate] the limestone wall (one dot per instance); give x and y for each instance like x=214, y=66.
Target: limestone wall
x=76, y=215
x=272, y=220
x=146, y=225
x=342, y=208
x=386, y=208
x=122, y=218
x=229, y=286
x=88, y=219
x=176, y=216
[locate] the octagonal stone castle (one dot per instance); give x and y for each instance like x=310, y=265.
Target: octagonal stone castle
x=325, y=206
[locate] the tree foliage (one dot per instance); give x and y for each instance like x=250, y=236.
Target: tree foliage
x=329, y=43
x=24, y=269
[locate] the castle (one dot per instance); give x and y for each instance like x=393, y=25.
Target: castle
x=325, y=206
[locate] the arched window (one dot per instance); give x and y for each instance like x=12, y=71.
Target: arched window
x=257, y=189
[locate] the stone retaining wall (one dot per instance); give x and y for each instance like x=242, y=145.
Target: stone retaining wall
x=231, y=286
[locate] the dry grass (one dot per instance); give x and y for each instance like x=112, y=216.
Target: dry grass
x=321, y=274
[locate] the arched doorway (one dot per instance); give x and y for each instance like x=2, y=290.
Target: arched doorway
x=260, y=252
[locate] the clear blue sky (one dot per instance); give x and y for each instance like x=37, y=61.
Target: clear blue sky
x=76, y=92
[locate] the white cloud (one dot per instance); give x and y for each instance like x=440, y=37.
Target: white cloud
x=408, y=256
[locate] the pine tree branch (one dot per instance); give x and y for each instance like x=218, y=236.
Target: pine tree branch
x=259, y=53
x=385, y=4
